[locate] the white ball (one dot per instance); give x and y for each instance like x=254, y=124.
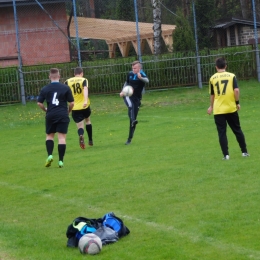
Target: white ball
x=90, y=244
x=127, y=91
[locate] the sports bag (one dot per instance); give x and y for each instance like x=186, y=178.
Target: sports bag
x=79, y=227
x=112, y=221
x=110, y=228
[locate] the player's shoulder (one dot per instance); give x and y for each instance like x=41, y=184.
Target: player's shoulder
x=85, y=80
x=46, y=87
x=143, y=73
x=213, y=76
x=61, y=84
x=231, y=74
x=62, y=87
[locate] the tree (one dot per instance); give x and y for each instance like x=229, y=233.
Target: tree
x=125, y=10
x=232, y=8
x=186, y=7
x=206, y=15
x=245, y=7
x=183, y=36
x=157, y=26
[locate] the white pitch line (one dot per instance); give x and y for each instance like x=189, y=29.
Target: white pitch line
x=194, y=238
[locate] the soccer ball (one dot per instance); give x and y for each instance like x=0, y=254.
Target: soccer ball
x=127, y=91
x=90, y=244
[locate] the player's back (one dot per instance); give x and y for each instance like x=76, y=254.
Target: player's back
x=77, y=85
x=223, y=86
x=57, y=95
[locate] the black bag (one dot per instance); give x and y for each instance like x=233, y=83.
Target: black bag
x=79, y=227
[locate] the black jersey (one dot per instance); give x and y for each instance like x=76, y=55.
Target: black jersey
x=136, y=83
x=57, y=96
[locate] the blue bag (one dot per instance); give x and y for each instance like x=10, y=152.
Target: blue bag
x=111, y=221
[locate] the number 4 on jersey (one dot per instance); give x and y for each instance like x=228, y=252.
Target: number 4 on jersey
x=55, y=101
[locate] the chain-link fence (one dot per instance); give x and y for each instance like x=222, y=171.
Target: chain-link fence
x=177, y=41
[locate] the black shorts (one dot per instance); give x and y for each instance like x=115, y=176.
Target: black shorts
x=79, y=115
x=57, y=127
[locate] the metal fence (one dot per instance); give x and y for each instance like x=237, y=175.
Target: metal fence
x=108, y=76
x=105, y=36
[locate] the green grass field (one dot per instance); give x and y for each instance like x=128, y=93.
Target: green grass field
x=170, y=186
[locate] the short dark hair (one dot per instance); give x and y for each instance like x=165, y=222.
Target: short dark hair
x=221, y=63
x=54, y=72
x=78, y=71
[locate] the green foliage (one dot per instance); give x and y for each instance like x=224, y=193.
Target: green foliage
x=115, y=10
x=9, y=87
x=183, y=36
x=125, y=10
x=107, y=9
x=205, y=19
x=228, y=8
x=170, y=185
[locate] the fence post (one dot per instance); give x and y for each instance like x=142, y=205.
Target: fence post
x=137, y=33
x=21, y=79
x=197, y=48
x=77, y=31
x=256, y=43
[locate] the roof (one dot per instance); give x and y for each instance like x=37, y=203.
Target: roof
x=114, y=31
x=121, y=33
x=233, y=21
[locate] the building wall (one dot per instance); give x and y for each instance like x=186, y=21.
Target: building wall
x=7, y=36
x=246, y=33
x=232, y=36
x=41, y=41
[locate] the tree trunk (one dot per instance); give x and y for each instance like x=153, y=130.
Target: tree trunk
x=140, y=8
x=157, y=26
x=92, y=8
x=245, y=7
x=186, y=8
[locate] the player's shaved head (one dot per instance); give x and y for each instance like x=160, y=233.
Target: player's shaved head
x=137, y=62
x=54, y=74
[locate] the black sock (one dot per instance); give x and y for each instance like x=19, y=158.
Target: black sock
x=61, y=150
x=89, y=131
x=80, y=131
x=49, y=146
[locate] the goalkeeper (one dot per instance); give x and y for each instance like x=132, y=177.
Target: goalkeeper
x=136, y=79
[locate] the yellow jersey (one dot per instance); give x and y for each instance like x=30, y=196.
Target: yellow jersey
x=222, y=85
x=77, y=85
